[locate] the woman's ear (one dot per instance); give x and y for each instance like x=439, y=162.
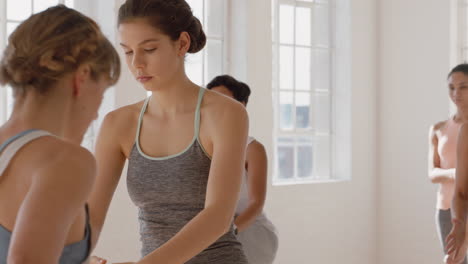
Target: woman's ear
x=81, y=75
x=184, y=43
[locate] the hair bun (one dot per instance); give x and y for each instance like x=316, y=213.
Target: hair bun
x=197, y=35
x=171, y=17
x=16, y=71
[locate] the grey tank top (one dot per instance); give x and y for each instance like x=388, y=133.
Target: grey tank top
x=75, y=253
x=170, y=191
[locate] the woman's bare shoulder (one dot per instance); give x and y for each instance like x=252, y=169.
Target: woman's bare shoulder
x=437, y=127
x=217, y=106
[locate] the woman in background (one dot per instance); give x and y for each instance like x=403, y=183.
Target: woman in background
x=443, y=165
x=254, y=230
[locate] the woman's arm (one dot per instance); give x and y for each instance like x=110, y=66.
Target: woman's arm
x=456, y=240
x=57, y=194
x=436, y=174
x=229, y=143
x=110, y=160
x=257, y=167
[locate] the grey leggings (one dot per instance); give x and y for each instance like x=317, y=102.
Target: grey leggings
x=444, y=226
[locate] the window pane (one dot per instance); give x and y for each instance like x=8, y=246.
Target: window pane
x=9, y=100
x=70, y=3
x=322, y=157
x=18, y=9
x=197, y=9
x=286, y=24
x=286, y=67
x=303, y=69
x=321, y=71
x=107, y=105
x=321, y=25
x=285, y=162
x=303, y=26
x=285, y=141
x=302, y=110
x=322, y=113
x=214, y=59
x=194, y=67
x=40, y=5
x=304, y=158
x=285, y=111
x=88, y=138
x=215, y=15
x=11, y=26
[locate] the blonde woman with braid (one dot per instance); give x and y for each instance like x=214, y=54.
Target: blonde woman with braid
x=59, y=64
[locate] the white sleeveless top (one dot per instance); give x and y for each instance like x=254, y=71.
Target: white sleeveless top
x=243, y=202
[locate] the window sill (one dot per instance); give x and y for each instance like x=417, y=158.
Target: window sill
x=308, y=181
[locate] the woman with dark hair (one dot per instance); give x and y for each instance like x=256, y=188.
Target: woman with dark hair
x=443, y=165
x=59, y=64
x=185, y=145
x=229, y=86
x=254, y=230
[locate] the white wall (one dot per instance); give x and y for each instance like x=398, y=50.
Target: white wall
x=322, y=223
x=119, y=241
x=414, y=56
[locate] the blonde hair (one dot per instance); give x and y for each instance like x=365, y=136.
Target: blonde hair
x=53, y=43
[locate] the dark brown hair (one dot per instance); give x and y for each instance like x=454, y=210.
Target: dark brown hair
x=463, y=68
x=171, y=17
x=240, y=90
x=53, y=43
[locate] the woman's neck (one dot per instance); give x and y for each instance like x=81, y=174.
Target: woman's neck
x=175, y=97
x=35, y=111
x=461, y=116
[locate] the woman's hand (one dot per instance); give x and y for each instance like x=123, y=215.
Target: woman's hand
x=447, y=260
x=456, y=243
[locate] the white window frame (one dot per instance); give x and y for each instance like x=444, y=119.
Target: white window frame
x=338, y=92
x=224, y=39
x=211, y=37
x=461, y=31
